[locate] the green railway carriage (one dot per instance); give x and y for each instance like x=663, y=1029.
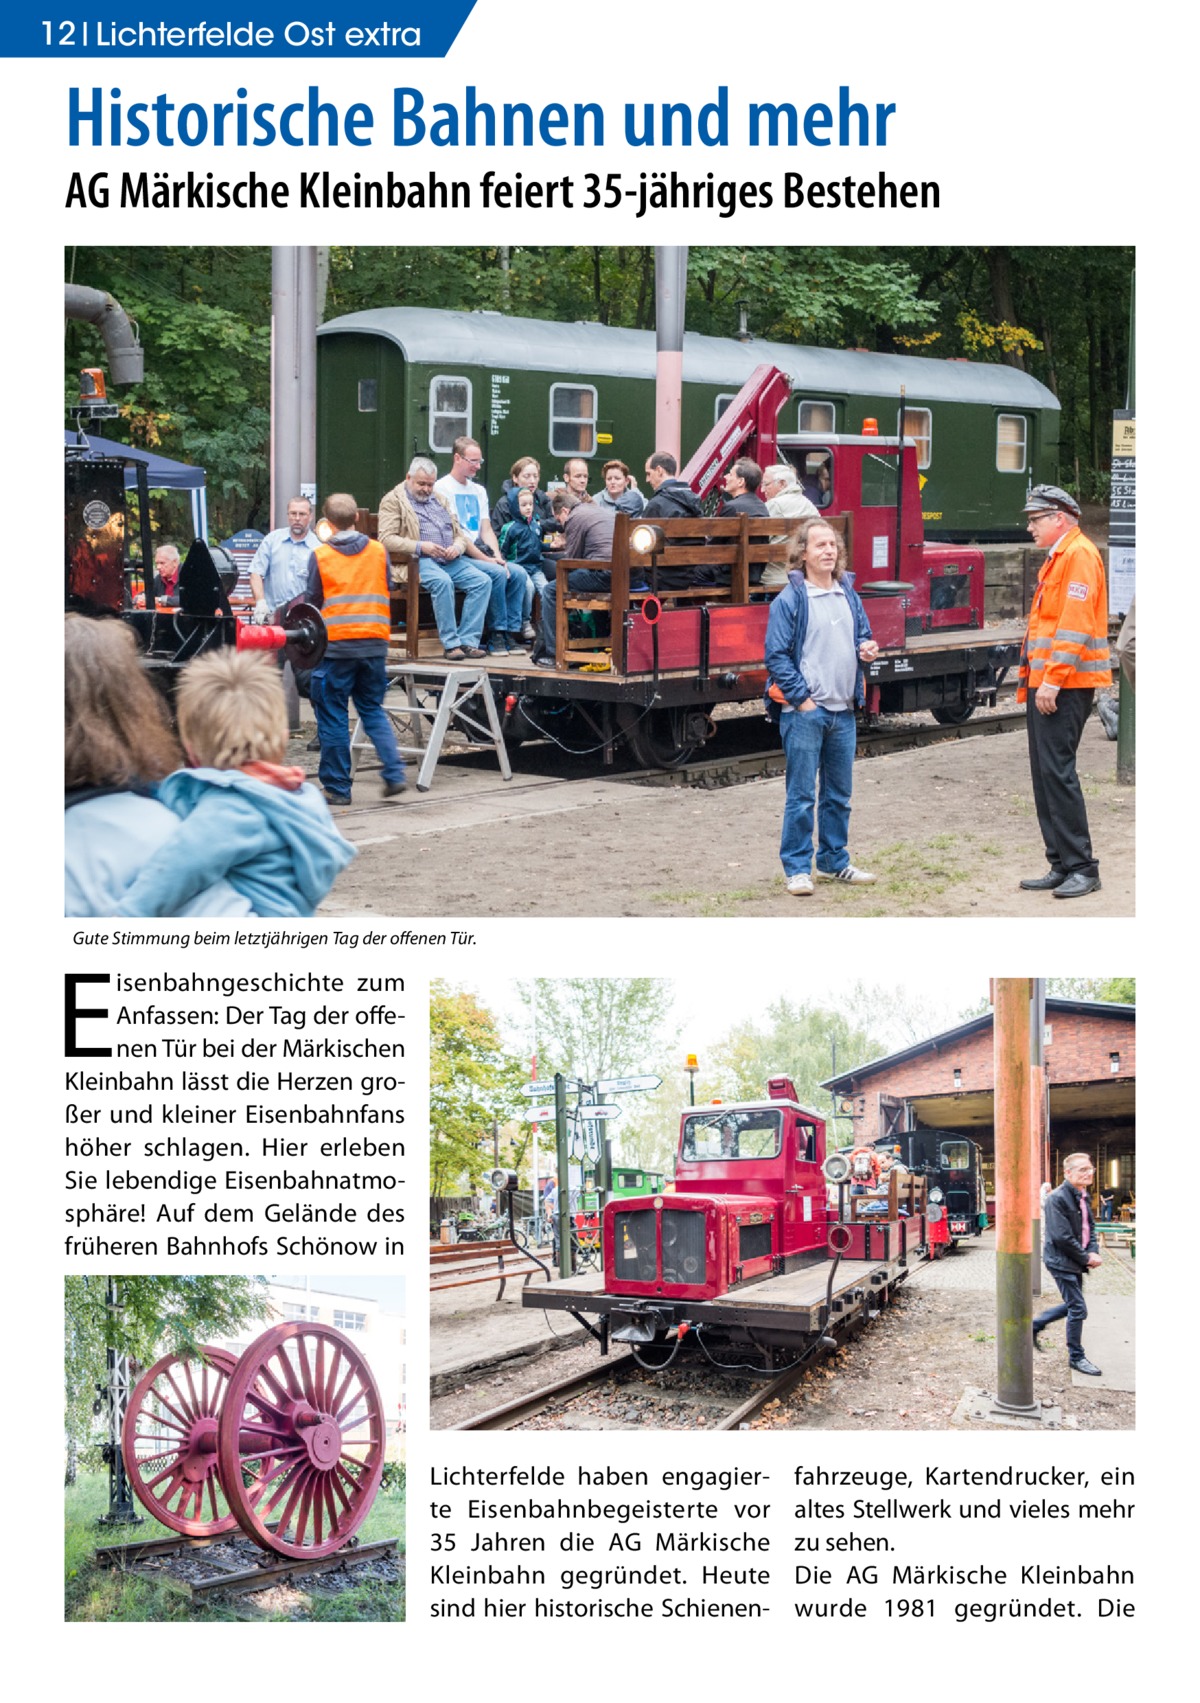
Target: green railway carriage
x=398, y=381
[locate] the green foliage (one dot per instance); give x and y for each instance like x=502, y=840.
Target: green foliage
x=808, y=1042
x=590, y=1027
x=204, y=315
x=108, y=1594
x=472, y=1080
x=156, y=1315
x=1105, y=990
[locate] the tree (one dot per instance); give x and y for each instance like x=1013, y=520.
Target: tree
x=1105, y=990
x=472, y=1080
x=156, y=1315
x=590, y=1027
x=809, y=1043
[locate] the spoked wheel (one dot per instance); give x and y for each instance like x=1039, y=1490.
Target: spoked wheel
x=302, y=1443
x=169, y=1442
x=953, y=715
x=663, y=738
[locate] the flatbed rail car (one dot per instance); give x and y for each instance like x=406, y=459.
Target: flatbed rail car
x=669, y=659
x=394, y=382
x=743, y=1261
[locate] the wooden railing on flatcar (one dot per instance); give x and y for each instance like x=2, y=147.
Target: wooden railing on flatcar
x=740, y=544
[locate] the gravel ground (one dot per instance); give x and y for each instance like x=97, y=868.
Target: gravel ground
x=907, y=1370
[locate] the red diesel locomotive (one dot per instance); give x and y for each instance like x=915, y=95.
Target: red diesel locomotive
x=744, y=1254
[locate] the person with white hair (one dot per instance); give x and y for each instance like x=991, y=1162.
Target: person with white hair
x=784, y=497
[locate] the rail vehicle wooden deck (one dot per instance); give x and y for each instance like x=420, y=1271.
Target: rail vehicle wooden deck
x=793, y=1301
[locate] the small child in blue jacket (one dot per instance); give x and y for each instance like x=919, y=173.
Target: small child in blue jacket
x=245, y=815
x=521, y=542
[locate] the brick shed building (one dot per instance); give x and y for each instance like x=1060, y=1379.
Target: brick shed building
x=947, y=1083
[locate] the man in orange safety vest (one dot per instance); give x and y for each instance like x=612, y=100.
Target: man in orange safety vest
x=348, y=581
x=1063, y=660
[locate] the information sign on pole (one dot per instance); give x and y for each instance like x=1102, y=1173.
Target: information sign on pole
x=539, y=1115
x=628, y=1084
x=1122, y=513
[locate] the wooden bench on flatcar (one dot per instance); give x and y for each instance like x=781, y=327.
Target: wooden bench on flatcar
x=737, y=548
x=741, y=545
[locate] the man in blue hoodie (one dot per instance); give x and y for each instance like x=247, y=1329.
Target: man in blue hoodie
x=348, y=580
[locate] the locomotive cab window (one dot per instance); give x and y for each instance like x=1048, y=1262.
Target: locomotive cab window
x=368, y=396
x=817, y=417
x=449, y=411
x=572, y=419
x=879, y=481
x=1011, y=441
x=917, y=424
x=815, y=470
x=956, y=1155
x=726, y=1135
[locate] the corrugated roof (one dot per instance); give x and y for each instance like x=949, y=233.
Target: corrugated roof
x=441, y=338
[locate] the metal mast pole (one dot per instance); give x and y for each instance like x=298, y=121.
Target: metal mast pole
x=564, y=1175
x=122, y=1509
x=670, y=291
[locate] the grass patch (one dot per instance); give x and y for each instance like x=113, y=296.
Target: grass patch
x=911, y=871
x=106, y=1593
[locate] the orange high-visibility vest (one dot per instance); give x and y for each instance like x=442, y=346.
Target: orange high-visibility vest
x=357, y=605
x=1066, y=643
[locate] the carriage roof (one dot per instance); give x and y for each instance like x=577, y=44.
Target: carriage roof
x=439, y=337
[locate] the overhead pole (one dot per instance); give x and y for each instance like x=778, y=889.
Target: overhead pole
x=564, y=1175
x=293, y=376
x=670, y=294
x=1014, y=1229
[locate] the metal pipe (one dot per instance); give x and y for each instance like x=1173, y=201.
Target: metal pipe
x=285, y=388
x=306, y=360
x=564, y=1175
x=1014, y=1259
x=126, y=364
x=670, y=292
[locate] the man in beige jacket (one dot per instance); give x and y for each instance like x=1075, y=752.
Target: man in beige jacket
x=415, y=523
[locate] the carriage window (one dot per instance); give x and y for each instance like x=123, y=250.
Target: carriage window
x=879, y=481
x=722, y=405
x=368, y=396
x=817, y=417
x=956, y=1156
x=918, y=425
x=449, y=411
x=1011, y=431
x=572, y=419
x=727, y=1135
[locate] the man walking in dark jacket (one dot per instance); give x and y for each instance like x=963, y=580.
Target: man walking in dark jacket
x=1070, y=1247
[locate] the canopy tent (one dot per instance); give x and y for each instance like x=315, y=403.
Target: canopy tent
x=162, y=474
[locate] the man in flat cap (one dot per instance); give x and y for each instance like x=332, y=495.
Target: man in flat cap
x=1063, y=660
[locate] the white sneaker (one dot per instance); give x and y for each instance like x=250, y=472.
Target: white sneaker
x=853, y=877
x=801, y=885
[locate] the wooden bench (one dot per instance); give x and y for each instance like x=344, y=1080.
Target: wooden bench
x=1109, y=1231
x=737, y=546
x=464, y=1263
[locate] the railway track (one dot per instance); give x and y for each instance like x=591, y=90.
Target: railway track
x=729, y=768
x=617, y=1394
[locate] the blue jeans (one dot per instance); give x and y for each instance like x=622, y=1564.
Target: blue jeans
x=507, y=600
x=817, y=743
x=440, y=579
x=334, y=683
x=536, y=582
x=578, y=580
x=1073, y=1309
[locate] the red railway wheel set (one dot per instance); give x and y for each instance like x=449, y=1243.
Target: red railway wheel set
x=286, y=1441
